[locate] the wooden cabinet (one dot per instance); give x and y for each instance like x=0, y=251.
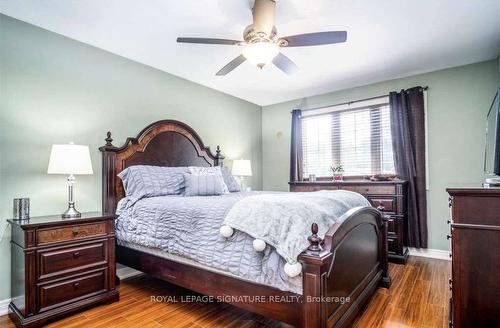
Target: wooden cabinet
x=60, y=265
x=391, y=195
x=475, y=244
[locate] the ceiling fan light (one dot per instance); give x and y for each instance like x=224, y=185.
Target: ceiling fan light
x=261, y=53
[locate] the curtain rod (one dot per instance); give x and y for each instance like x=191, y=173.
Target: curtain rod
x=353, y=101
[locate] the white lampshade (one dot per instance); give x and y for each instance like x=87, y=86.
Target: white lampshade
x=70, y=159
x=242, y=168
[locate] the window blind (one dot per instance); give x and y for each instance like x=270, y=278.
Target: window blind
x=359, y=139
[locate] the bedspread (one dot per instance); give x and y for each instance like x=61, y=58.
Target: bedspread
x=189, y=227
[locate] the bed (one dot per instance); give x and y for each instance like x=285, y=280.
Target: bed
x=349, y=263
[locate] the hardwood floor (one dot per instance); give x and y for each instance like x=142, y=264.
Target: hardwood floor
x=418, y=298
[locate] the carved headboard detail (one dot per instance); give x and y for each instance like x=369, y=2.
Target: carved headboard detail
x=163, y=143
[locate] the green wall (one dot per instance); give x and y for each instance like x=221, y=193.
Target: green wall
x=56, y=90
x=458, y=100
x=498, y=67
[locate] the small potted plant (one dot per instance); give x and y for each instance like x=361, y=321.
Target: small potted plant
x=338, y=172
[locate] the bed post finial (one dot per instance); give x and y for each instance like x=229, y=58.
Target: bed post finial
x=219, y=159
x=314, y=240
x=109, y=140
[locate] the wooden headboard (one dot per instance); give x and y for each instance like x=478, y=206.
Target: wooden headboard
x=163, y=143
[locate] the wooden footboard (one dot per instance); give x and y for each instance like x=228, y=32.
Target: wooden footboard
x=341, y=272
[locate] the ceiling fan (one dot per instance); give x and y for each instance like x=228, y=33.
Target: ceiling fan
x=262, y=44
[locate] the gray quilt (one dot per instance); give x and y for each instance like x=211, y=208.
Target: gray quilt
x=284, y=220
x=189, y=227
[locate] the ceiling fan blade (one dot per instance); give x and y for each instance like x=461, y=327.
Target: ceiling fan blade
x=316, y=39
x=285, y=64
x=209, y=41
x=263, y=15
x=231, y=65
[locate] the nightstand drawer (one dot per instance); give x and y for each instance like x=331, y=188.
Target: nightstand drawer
x=58, y=260
x=371, y=189
x=76, y=232
x=62, y=292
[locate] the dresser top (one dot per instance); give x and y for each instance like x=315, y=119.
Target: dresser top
x=57, y=220
x=347, y=182
x=473, y=189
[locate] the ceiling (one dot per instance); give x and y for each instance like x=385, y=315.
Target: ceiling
x=386, y=39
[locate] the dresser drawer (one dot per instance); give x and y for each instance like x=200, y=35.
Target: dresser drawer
x=392, y=245
x=392, y=226
x=59, y=260
x=76, y=232
x=62, y=292
x=371, y=189
x=312, y=187
x=390, y=204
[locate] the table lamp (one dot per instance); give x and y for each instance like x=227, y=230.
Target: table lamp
x=70, y=159
x=242, y=168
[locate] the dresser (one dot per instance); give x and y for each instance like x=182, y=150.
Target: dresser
x=389, y=196
x=60, y=265
x=475, y=253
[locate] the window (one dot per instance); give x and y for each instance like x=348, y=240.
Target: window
x=359, y=139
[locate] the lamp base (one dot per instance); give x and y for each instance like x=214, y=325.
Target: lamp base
x=71, y=212
x=242, y=183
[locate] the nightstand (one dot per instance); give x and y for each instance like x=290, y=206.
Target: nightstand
x=61, y=265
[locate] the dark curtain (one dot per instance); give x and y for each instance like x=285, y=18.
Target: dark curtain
x=296, y=147
x=408, y=135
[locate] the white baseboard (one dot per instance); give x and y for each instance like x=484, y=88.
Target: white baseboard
x=430, y=253
x=124, y=272
x=4, y=306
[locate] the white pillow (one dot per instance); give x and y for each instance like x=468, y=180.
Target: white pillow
x=210, y=170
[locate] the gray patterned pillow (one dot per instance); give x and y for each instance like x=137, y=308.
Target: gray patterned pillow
x=203, y=185
x=209, y=170
x=230, y=181
x=142, y=181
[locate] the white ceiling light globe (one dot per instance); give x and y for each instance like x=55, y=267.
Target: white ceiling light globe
x=261, y=53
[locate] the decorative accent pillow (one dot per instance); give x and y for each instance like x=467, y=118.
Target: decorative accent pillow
x=142, y=181
x=210, y=170
x=203, y=185
x=230, y=181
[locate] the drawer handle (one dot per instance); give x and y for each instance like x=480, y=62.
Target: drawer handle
x=76, y=285
x=381, y=207
x=76, y=255
x=75, y=231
